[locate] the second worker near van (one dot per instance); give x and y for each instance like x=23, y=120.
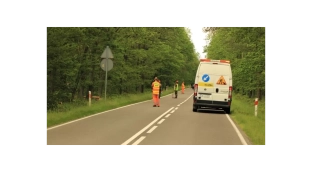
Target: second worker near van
x=176, y=88
x=182, y=87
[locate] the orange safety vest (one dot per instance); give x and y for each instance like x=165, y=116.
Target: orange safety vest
x=156, y=86
x=183, y=87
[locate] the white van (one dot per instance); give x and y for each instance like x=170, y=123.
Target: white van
x=213, y=85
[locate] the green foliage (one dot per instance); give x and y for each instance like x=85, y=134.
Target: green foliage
x=243, y=113
x=78, y=109
x=245, y=48
x=140, y=54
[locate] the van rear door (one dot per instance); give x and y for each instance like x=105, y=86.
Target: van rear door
x=205, y=85
x=221, y=93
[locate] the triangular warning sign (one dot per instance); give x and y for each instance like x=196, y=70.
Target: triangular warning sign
x=221, y=81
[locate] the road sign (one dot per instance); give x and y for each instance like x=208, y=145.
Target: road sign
x=107, y=53
x=106, y=66
x=221, y=81
x=205, y=78
x=106, y=63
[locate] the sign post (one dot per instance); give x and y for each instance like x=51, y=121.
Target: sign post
x=106, y=63
x=256, y=106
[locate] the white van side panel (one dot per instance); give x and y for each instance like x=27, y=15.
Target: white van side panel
x=207, y=77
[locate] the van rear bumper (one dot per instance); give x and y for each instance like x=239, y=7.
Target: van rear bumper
x=212, y=104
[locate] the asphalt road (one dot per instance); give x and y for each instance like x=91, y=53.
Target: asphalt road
x=173, y=123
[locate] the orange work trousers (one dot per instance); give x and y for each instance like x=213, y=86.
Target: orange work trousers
x=156, y=99
x=182, y=90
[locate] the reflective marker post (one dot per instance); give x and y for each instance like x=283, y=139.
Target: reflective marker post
x=89, y=98
x=256, y=106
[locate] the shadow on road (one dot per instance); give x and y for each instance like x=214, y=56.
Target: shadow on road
x=210, y=111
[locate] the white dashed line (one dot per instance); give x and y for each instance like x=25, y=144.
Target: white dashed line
x=99, y=114
x=138, y=141
x=145, y=128
x=161, y=121
x=178, y=105
x=152, y=129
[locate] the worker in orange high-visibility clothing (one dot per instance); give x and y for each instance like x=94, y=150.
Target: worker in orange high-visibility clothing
x=155, y=90
x=182, y=87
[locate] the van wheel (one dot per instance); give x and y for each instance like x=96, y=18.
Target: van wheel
x=227, y=110
x=195, y=109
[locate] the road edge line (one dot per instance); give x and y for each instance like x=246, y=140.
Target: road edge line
x=97, y=114
x=237, y=131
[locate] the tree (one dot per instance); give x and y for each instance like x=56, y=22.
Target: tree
x=140, y=54
x=245, y=48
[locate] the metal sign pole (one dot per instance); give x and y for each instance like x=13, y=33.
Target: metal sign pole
x=106, y=64
x=106, y=72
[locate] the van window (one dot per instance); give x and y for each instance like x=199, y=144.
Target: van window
x=215, y=69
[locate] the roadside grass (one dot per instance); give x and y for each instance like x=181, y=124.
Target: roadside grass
x=243, y=113
x=79, y=109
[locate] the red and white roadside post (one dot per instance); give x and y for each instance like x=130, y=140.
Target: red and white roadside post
x=256, y=106
x=89, y=98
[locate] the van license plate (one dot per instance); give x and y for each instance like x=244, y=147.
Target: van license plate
x=205, y=96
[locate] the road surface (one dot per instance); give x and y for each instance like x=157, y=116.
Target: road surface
x=173, y=123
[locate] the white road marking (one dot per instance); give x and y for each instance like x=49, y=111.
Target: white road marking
x=138, y=141
x=234, y=126
x=161, y=121
x=237, y=131
x=167, y=115
x=172, y=111
x=98, y=114
x=145, y=128
x=176, y=108
x=187, y=99
x=152, y=129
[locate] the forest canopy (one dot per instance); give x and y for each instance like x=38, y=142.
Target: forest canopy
x=245, y=48
x=140, y=54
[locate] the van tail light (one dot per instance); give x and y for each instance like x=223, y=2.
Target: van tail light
x=230, y=95
x=195, y=90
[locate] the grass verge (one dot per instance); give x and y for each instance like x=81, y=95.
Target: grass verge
x=71, y=111
x=243, y=113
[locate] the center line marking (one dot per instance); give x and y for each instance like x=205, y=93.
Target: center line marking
x=172, y=111
x=138, y=141
x=161, y=121
x=176, y=108
x=167, y=115
x=145, y=128
x=152, y=129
